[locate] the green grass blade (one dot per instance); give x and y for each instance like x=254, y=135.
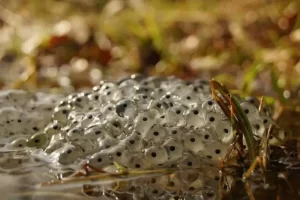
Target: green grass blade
x=239, y=119
x=247, y=128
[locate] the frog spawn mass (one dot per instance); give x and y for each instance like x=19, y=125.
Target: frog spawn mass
x=144, y=123
x=22, y=115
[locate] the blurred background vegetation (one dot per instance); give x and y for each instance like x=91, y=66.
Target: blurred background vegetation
x=249, y=45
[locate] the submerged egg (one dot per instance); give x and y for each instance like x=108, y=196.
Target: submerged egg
x=156, y=155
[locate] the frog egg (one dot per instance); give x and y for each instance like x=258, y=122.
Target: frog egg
x=85, y=145
x=101, y=159
x=258, y=127
x=174, y=148
x=98, y=119
x=176, y=132
x=64, y=130
x=127, y=91
x=150, y=81
x=193, y=142
x=175, y=116
x=195, y=117
x=173, y=80
x=224, y=131
x=81, y=103
x=42, y=107
x=9, y=113
x=61, y=114
x=107, y=142
x=174, y=184
x=94, y=132
x=188, y=161
x=158, y=93
x=87, y=119
x=280, y=135
x=165, y=86
x=267, y=121
x=207, y=135
x=133, y=142
x=156, y=155
x=120, y=155
x=52, y=128
x=170, y=103
x=108, y=86
x=20, y=97
x=7, y=132
x=75, y=120
x=75, y=116
x=142, y=100
x=35, y=125
x=126, y=108
x=188, y=176
x=209, y=193
x=128, y=128
x=156, y=134
x=68, y=154
x=111, y=95
x=267, y=110
x=62, y=103
x=143, y=122
x=139, y=162
x=75, y=134
x=245, y=146
x=202, y=86
x=108, y=111
x=114, y=127
x=210, y=105
x=253, y=100
x=168, y=97
x=161, y=120
x=53, y=145
x=154, y=193
x=158, y=181
x=96, y=88
x=160, y=106
x=15, y=127
x=140, y=90
x=195, y=186
x=213, y=151
x=180, y=89
x=18, y=143
x=127, y=82
x=250, y=110
x=212, y=177
x=212, y=118
x=94, y=97
x=37, y=140
x=189, y=100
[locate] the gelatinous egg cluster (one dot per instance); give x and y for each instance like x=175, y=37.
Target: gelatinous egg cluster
x=138, y=123
x=23, y=114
